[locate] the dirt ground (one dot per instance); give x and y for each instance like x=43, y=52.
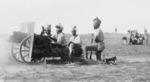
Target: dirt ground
x=133, y=65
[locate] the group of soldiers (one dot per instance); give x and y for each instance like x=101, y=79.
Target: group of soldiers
x=136, y=38
x=66, y=49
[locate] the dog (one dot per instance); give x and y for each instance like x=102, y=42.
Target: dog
x=111, y=60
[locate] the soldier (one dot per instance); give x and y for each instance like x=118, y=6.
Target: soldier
x=98, y=44
x=61, y=43
x=75, y=43
x=48, y=30
x=115, y=30
x=146, y=36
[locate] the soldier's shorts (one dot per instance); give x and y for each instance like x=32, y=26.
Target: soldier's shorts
x=75, y=50
x=61, y=52
x=93, y=47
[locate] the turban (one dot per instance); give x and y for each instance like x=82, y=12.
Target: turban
x=49, y=27
x=59, y=26
x=74, y=28
x=97, y=21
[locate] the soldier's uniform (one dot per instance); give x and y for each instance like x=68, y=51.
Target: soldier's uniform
x=62, y=49
x=75, y=43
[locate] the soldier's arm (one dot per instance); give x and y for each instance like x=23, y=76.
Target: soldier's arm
x=54, y=39
x=70, y=41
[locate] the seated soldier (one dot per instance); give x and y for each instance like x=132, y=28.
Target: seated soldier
x=98, y=44
x=75, y=44
x=61, y=43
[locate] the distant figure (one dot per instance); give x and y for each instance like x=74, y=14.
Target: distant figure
x=145, y=30
x=124, y=40
x=115, y=30
x=146, y=36
x=135, y=37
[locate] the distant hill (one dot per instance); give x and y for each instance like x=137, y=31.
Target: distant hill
x=109, y=38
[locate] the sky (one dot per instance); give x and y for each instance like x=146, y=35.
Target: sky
x=120, y=14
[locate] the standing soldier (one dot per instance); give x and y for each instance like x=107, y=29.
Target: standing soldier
x=146, y=36
x=115, y=30
x=98, y=44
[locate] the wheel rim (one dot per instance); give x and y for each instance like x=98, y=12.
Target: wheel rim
x=15, y=50
x=25, y=50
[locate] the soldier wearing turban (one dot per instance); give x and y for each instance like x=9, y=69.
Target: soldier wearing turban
x=61, y=42
x=74, y=42
x=98, y=40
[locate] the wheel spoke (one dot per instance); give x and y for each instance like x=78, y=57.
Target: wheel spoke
x=24, y=50
x=26, y=55
x=26, y=46
x=28, y=41
x=18, y=57
x=16, y=44
x=15, y=53
x=15, y=48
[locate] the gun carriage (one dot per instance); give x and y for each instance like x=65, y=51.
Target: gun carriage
x=32, y=48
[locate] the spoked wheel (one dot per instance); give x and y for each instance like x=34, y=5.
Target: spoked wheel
x=15, y=50
x=25, y=52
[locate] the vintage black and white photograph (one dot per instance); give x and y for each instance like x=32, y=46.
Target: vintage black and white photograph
x=74, y=41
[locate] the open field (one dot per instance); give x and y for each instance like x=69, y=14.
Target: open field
x=133, y=65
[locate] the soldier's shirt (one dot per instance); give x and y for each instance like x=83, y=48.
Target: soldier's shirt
x=75, y=39
x=98, y=36
x=61, y=39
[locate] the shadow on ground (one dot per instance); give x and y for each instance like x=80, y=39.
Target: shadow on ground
x=77, y=61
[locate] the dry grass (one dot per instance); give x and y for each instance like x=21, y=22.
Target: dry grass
x=133, y=65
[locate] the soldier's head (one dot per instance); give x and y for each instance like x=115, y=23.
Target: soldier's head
x=48, y=30
x=74, y=31
x=96, y=23
x=48, y=27
x=59, y=28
